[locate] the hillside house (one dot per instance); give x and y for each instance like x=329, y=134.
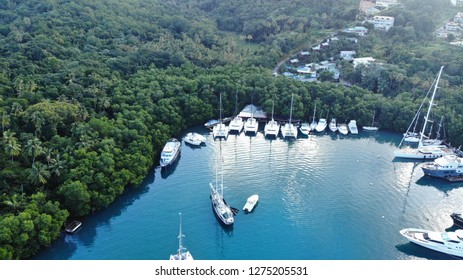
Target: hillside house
x=383, y=22
x=358, y=30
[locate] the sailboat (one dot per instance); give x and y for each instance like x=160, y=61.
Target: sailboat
x=222, y=210
x=313, y=125
x=436, y=141
x=182, y=253
x=272, y=127
x=236, y=124
x=220, y=129
x=371, y=128
x=289, y=130
x=425, y=152
x=251, y=124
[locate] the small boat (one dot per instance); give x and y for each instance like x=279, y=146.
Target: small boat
x=457, y=219
x=352, y=125
x=211, y=123
x=170, y=152
x=194, y=139
x=305, y=128
x=182, y=253
x=251, y=203
x=445, y=242
x=332, y=125
x=371, y=128
x=342, y=128
x=72, y=227
x=321, y=126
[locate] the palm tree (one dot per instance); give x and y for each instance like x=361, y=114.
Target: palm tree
x=5, y=121
x=38, y=121
x=15, y=202
x=34, y=148
x=12, y=146
x=57, y=165
x=39, y=174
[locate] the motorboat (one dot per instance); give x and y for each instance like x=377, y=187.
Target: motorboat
x=333, y=127
x=457, y=219
x=72, y=227
x=444, y=167
x=450, y=242
x=289, y=130
x=211, y=123
x=272, y=127
x=236, y=124
x=321, y=126
x=304, y=128
x=182, y=253
x=170, y=152
x=251, y=202
x=352, y=125
x=221, y=208
x=194, y=138
x=342, y=128
x=220, y=129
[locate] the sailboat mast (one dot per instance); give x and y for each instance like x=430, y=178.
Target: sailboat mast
x=180, y=235
x=273, y=107
x=429, y=108
x=221, y=170
x=291, y=110
x=220, y=108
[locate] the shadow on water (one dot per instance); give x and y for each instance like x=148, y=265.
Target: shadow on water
x=168, y=170
x=438, y=183
x=418, y=251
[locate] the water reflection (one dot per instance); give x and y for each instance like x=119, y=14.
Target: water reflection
x=421, y=252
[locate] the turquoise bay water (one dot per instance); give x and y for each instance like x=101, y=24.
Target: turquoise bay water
x=326, y=197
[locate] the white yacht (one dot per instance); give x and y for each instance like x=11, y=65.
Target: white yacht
x=321, y=126
x=251, y=124
x=352, y=125
x=448, y=167
x=194, y=139
x=445, y=242
x=236, y=124
x=222, y=210
x=332, y=125
x=304, y=128
x=272, y=127
x=182, y=253
x=220, y=129
x=430, y=151
x=289, y=130
x=251, y=202
x=342, y=128
x=170, y=152
x=313, y=124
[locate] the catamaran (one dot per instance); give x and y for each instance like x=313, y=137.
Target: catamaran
x=313, y=125
x=182, y=253
x=220, y=129
x=289, y=130
x=251, y=124
x=236, y=124
x=272, y=127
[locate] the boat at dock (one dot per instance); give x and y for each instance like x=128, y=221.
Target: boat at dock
x=251, y=202
x=272, y=127
x=170, y=152
x=182, y=253
x=333, y=127
x=352, y=125
x=236, y=124
x=289, y=130
x=371, y=127
x=211, y=123
x=220, y=129
x=457, y=219
x=445, y=242
x=194, y=139
x=314, y=123
x=445, y=167
x=73, y=227
x=305, y=128
x=342, y=128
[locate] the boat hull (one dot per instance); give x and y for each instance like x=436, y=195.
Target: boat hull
x=440, y=244
x=174, y=146
x=457, y=219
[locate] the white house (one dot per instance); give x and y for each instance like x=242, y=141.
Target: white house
x=359, y=30
x=347, y=55
x=458, y=17
x=452, y=27
x=386, y=3
x=383, y=22
x=458, y=3
x=295, y=60
x=363, y=60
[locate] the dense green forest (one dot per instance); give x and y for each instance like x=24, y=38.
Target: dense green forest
x=91, y=90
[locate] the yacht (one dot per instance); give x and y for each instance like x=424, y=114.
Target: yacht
x=332, y=125
x=182, y=253
x=236, y=124
x=430, y=151
x=220, y=129
x=313, y=124
x=321, y=126
x=289, y=130
x=304, y=128
x=352, y=125
x=342, y=128
x=170, y=152
x=194, y=139
x=272, y=127
x=222, y=210
x=251, y=202
x=445, y=167
x=445, y=242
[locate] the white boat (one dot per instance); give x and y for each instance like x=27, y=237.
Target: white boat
x=305, y=128
x=272, y=127
x=221, y=209
x=194, y=138
x=182, y=253
x=313, y=124
x=433, y=141
x=450, y=242
x=220, y=129
x=289, y=130
x=449, y=167
x=352, y=125
x=333, y=127
x=430, y=151
x=371, y=128
x=72, y=227
x=236, y=124
x=251, y=125
x=251, y=202
x=170, y=152
x=211, y=123
x=342, y=128
x=321, y=126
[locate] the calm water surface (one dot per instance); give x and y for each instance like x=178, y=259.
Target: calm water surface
x=326, y=197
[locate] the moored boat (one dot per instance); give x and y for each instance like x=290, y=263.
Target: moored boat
x=211, y=123
x=352, y=125
x=457, y=219
x=445, y=242
x=371, y=127
x=194, y=138
x=321, y=125
x=342, y=128
x=304, y=128
x=220, y=129
x=236, y=124
x=444, y=167
x=289, y=130
x=72, y=227
x=251, y=202
x=182, y=253
x=272, y=127
x=170, y=152
x=333, y=127
x=314, y=123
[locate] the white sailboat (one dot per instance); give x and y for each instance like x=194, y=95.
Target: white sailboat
x=220, y=129
x=272, y=127
x=182, y=253
x=425, y=152
x=313, y=125
x=289, y=130
x=333, y=127
x=222, y=210
x=436, y=141
x=371, y=128
x=236, y=124
x=251, y=124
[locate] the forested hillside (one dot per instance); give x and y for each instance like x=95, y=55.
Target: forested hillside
x=91, y=90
